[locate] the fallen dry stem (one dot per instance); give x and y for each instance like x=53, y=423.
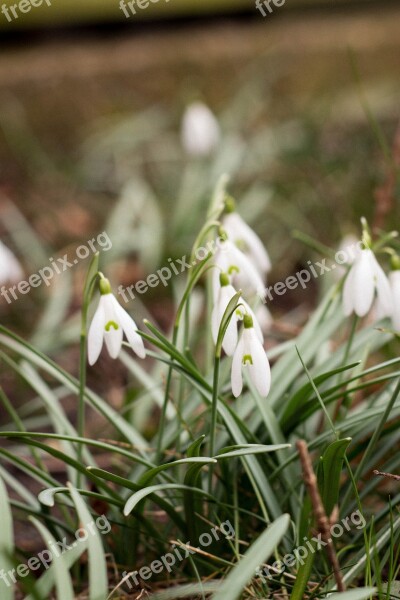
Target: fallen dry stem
x=322, y=521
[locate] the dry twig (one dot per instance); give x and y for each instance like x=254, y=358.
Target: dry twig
x=322, y=521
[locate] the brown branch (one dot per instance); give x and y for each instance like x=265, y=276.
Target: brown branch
x=383, y=474
x=385, y=193
x=322, y=521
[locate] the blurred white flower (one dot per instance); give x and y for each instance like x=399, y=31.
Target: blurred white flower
x=225, y=295
x=364, y=278
x=348, y=250
x=200, y=130
x=263, y=317
x=229, y=259
x=247, y=240
x=10, y=268
x=251, y=355
x=394, y=279
x=109, y=323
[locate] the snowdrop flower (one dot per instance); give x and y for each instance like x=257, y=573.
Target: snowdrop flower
x=245, y=238
x=225, y=295
x=10, y=268
x=200, y=130
x=229, y=259
x=364, y=278
x=250, y=354
x=109, y=324
x=394, y=279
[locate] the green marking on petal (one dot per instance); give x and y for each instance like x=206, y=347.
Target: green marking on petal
x=224, y=279
x=248, y=321
x=233, y=269
x=247, y=360
x=111, y=324
x=241, y=244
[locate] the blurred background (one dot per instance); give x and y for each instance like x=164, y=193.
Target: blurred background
x=91, y=104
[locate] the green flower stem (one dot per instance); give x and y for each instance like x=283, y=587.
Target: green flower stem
x=342, y=399
x=214, y=405
x=166, y=399
x=230, y=309
x=87, y=295
x=197, y=273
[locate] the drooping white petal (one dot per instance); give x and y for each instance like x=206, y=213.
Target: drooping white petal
x=348, y=303
x=226, y=293
x=200, y=130
x=239, y=231
x=96, y=334
x=245, y=309
x=360, y=284
x=394, y=279
x=113, y=338
x=218, y=312
x=229, y=342
x=129, y=327
x=221, y=265
x=259, y=370
x=383, y=289
x=236, y=258
x=112, y=329
x=236, y=370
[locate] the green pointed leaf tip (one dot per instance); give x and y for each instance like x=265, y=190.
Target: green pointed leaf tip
x=259, y=552
x=329, y=473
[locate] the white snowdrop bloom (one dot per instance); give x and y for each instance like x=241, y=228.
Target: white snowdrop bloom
x=247, y=240
x=229, y=259
x=250, y=354
x=10, y=268
x=364, y=278
x=200, y=130
x=394, y=279
x=225, y=294
x=109, y=323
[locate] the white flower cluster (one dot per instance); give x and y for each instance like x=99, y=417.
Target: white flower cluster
x=241, y=262
x=367, y=286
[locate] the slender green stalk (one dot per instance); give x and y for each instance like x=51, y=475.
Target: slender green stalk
x=197, y=273
x=161, y=425
x=87, y=294
x=214, y=406
x=353, y=328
